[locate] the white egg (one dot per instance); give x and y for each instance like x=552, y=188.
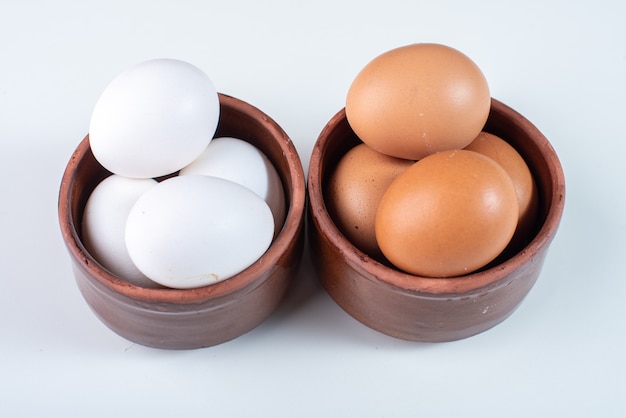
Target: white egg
x=104, y=225
x=191, y=231
x=239, y=161
x=154, y=118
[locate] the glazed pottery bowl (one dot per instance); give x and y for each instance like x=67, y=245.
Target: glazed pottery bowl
x=424, y=308
x=206, y=316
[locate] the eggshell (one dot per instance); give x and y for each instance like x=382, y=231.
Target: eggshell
x=504, y=154
x=104, y=223
x=448, y=214
x=154, y=118
x=354, y=191
x=194, y=230
x=418, y=99
x=239, y=161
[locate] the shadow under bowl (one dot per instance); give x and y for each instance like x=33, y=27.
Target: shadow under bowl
x=431, y=309
x=206, y=316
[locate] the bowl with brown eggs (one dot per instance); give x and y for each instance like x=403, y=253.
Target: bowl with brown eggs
x=432, y=308
x=187, y=318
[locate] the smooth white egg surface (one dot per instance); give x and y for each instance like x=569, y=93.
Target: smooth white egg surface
x=154, y=118
x=239, y=161
x=194, y=230
x=104, y=225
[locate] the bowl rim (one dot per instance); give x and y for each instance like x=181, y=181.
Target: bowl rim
x=248, y=279
x=430, y=286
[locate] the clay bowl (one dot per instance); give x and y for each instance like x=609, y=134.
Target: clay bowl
x=193, y=318
x=423, y=308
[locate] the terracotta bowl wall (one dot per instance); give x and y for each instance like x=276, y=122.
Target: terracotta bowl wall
x=191, y=318
x=423, y=308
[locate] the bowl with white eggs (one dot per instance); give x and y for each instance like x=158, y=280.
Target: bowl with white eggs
x=182, y=209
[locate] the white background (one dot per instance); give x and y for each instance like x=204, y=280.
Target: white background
x=562, y=64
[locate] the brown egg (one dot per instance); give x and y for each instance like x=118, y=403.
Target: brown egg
x=417, y=100
x=447, y=215
x=354, y=191
x=504, y=154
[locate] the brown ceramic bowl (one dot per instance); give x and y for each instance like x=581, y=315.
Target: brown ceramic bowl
x=206, y=316
x=424, y=308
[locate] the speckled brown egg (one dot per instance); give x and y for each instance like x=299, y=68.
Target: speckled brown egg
x=448, y=214
x=504, y=154
x=354, y=191
x=418, y=99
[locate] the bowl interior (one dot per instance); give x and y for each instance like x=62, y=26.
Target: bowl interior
x=237, y=119
x=337, y=138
